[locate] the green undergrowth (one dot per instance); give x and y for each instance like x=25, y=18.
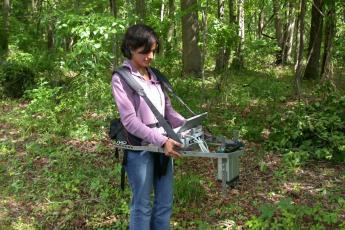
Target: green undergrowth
x=311, y=130
x=287, y=215
x=56, y=170
x=59, y=184
x=237, y=100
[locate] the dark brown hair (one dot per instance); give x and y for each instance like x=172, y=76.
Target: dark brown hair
x=137, y=36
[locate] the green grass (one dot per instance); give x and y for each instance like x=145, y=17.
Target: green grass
x=51, y=178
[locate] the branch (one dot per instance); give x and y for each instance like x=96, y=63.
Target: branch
x=317, y=8
x=265, y=35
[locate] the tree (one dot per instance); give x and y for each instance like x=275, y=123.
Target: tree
x=115, y=44
x=326, y=69
x=191, y=56
x=288, y=33
x=278, y=29
x=298, y=73
x=312, y=70
x=140, y=10
x=239, y=59
x=4, y=32
x=171, y=29
x=221, y=60
x=113, y=7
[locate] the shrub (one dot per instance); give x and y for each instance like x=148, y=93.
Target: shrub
x=17, y=75
x=311, y=131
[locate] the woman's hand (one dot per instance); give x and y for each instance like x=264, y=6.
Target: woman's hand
x=170, y=147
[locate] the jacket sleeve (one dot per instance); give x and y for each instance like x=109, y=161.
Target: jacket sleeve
x=175, y=119
x=124, y=99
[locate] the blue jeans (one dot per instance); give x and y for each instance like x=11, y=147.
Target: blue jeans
x=140, y=171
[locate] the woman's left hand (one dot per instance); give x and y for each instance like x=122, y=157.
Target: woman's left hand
x=170, y=147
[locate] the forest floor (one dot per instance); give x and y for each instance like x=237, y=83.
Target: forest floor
x=37, y=195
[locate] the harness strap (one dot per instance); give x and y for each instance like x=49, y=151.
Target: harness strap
x=168, y=86
x=123, y=72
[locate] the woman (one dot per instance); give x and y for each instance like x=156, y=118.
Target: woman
x=144, y=169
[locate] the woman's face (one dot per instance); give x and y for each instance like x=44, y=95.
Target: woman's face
x=143, y=60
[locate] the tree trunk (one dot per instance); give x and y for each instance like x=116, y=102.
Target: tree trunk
x=278, y=30
x=191, y=56
x=289, y=34
x=140, y=10
x=113, y=8
x=171, y=29
x=162, y=44
x=115, y=44
x=260, y=23
x=239, y=59
x=220, y=58
x=312, y=70
x=327, y=70
x=295, y=41
x=232, y=23
x=50, y=37
x=298, y=74
x=4, y=32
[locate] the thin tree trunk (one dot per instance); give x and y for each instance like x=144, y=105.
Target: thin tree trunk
x=4, y=32
x=312, y=70
x=288, y=40
x=260, y=23
x=140, y=9
x=327, y=69
x=239, y=60
x=220, y=58
x=203, y=52
x=162, y=41
x=191, y=56
x=296, y=41
x=50, y=37
x=115, y=43
x=232, y=23
x=278, y=29
x=171, y=30
x=298, y=74
x=113, y=7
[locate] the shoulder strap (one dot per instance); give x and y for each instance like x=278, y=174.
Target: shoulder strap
x=123, y=72
x=161, y=78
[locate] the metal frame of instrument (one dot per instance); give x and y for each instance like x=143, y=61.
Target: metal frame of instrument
x=227, y=162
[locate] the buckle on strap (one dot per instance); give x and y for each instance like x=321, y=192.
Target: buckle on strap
x=154, y=125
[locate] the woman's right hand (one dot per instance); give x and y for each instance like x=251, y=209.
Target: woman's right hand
x=170, y=147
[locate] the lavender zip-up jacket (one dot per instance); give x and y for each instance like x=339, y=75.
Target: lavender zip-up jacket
x=135, y=114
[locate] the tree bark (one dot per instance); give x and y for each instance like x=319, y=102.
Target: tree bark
x=191, y=56
x=232, y=23
x=260, y=23
x=115, y=44
x=4, y=32
x=50, y=37
x=239, y=59
x=113, y=8
x=289, y=34
x=312, y=70
x=171, y=29
x=221, y=61
x=327, y=69
x=278, y=29
x=298, y=74
x=140, y=9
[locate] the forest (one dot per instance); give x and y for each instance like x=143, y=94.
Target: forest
x=271, y=71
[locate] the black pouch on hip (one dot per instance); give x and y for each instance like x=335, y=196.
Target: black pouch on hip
x=118, y=133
